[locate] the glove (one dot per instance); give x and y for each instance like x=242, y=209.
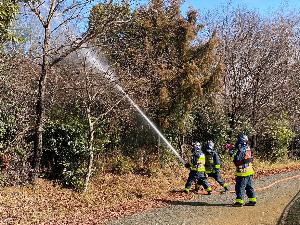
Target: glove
x=187, y=165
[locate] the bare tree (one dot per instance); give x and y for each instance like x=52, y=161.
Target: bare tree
x=259, y=55
x=94, y=88
x=57, y=19
x=79, y=83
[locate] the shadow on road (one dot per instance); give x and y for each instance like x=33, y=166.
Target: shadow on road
x=193, y=203
x=291, y=213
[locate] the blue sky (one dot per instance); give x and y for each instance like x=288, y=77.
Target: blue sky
x=263, y=6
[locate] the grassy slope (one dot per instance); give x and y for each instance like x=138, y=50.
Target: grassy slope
x=110, y=196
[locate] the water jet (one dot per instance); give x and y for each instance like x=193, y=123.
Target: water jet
x=93, y=61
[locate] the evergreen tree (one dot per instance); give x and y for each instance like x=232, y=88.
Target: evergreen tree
x=159, y=54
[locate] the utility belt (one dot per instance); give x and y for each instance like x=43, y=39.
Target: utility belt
x=244, y=170
x=244, y=166
x=198, y=169
x=212, y=168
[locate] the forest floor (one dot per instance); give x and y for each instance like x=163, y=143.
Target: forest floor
x=112, y=197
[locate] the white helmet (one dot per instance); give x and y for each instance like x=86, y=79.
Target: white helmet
x=197, y=145
x=210, y=144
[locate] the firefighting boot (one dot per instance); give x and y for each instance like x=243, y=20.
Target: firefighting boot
x=186, y=190
x=209, y=190
x=226, y=187
x=250, y=204
x=237, y=204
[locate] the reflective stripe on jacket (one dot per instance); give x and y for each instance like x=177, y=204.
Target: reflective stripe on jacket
x=212, y=162
x=200, y=165
x=244, y=170
x=243, y=164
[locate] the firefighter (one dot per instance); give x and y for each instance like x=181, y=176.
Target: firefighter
x=197, y=170
x=243, y=158
x=213, y=164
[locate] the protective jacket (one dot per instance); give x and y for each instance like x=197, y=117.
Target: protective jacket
x=243, y=159
x=212, y=162
x=198, y=161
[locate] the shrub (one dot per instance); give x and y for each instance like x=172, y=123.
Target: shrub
x=65, y=154
x=295, y=147
x=276, y=139
x=14, y=166
x=7, y=129
x=122, y=165
x=211, y=124
x=14, y=152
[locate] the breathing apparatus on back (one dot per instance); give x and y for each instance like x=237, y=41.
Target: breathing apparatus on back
x=209, y=148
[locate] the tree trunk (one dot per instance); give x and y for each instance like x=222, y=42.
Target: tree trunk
x=182, y=145
x=40, y=112
x=253, y=110
x=87, y=179
x=90, y=147
x=159, y=151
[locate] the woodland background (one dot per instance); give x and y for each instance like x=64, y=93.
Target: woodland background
x=196, y=76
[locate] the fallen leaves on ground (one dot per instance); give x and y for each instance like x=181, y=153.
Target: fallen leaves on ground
x=110, y=196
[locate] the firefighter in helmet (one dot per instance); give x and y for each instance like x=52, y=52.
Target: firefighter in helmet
x=197, y=170
x=243, y=158
x=213, y=164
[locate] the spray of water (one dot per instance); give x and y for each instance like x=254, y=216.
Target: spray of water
x=97, y=64
x=94, y=62
x=150, y=123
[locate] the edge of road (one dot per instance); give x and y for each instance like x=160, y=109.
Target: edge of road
x=284, y=216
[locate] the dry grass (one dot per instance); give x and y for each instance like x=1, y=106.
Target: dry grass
x=109, y=196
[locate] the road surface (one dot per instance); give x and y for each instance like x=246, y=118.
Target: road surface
x=274, y=193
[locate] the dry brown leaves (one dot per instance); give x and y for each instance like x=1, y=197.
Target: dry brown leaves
x=110, y=196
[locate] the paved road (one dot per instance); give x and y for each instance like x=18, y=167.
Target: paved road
x=216, y=209
x=291, y=215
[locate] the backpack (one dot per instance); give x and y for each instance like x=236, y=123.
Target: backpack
x=195, y=157
x=247, y=158
x=209, y=160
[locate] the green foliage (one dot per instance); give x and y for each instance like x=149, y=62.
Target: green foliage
x=277, y=137
x=295, y=146
x=8, y=12
x=211, y=124
x=136, y=136
x=65, y=153
x=167, y=158
x=122, y=165
x=242, y=125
